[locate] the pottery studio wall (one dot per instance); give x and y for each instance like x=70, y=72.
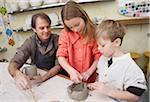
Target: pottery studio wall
x=136, y=39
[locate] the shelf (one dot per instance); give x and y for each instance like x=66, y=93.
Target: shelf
x=55, y=5
x=135, y=20
x=130, y=21
x=52, y=27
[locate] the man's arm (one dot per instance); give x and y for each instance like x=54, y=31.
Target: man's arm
x=13, y=68
x=52, y=72
x=21, y=80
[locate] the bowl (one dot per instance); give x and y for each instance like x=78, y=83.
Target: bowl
x=78, y=92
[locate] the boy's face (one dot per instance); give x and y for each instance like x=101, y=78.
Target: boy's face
x=106, y=47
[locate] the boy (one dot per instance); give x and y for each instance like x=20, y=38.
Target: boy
x=120, y=78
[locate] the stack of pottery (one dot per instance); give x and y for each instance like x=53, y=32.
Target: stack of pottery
x=23, y=4
x=54, y=18
x=47, y=2
x=35, y=3
x=27, y=24
x=63, y=1
x=12, y=5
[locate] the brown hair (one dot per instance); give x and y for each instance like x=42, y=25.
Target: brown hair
x=71, y=10
x=39, y=15
x=111, y=28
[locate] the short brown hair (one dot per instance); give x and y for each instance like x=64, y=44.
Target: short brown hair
x=39, y=15
x=112, y=28
x=71, y=10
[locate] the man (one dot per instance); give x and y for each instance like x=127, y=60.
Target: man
x=41, y=47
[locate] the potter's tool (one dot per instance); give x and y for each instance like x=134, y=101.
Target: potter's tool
x=33, y=95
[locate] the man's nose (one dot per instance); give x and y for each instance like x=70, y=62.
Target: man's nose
x=46, y=29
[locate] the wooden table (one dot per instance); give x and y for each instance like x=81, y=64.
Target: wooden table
x=52, y=90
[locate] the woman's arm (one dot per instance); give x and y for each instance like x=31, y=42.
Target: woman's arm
x=90, y=71
x=65, y=65
x=74, y=75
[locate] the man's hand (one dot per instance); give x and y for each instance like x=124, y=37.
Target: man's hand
x=38, y=79
x=22, y=81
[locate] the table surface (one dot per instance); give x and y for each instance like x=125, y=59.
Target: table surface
x=52, y=90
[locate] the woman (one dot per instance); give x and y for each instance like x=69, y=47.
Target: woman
x=78, y=52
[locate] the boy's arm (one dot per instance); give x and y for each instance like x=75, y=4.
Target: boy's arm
x=124, y=95
x=114, y=93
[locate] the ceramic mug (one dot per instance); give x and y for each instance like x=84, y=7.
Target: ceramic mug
x=30, y=71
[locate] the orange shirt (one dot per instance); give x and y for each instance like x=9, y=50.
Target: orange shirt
x=80, y=56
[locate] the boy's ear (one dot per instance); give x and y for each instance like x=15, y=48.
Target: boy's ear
x=117, y=42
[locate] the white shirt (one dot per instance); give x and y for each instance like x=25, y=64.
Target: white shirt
x=122, y=73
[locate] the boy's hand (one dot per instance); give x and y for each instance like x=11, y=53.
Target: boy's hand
x=96, y=86
x=99, y=86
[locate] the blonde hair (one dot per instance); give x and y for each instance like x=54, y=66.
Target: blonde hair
x=110, y=29
x=71, y=10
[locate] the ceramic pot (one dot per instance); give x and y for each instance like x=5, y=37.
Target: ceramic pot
x=31, y=71
x=78, y=92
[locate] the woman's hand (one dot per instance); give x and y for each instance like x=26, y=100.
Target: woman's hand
x=75, y=77
x=22, y=81
x=85, y=75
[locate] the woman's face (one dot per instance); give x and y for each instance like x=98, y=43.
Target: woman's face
x=75, y=24
x=42, y=29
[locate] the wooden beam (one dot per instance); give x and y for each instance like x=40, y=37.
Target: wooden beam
x=135, y=20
